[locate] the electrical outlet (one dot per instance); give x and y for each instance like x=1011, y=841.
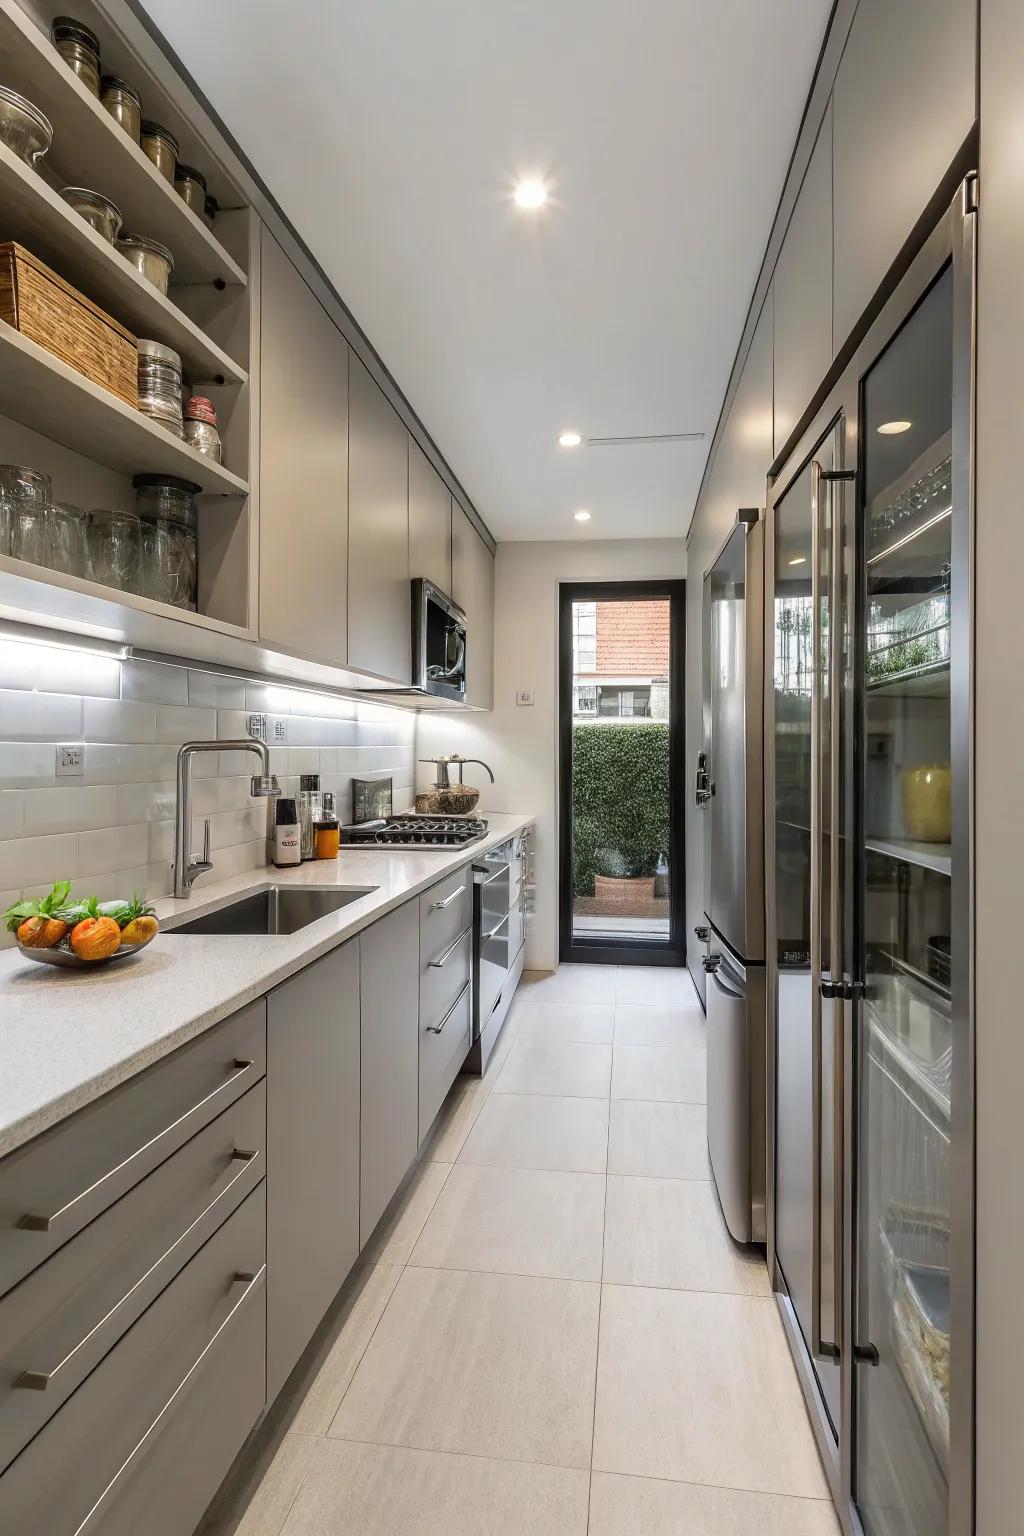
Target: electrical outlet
x=71, y=761
x=280, y=732
x=524, y=696
x=258, y=727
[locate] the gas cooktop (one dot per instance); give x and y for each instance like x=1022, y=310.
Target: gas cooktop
x=413, y=831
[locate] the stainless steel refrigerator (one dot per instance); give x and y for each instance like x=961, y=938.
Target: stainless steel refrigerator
x=868, y=731
x=729, y=789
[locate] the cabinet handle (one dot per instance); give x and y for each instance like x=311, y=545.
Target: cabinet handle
x=498, y=873
x=435, y=1029
x=251, y=1281
x=439, y=906
x=32, y=1223
x=497, y=927
x=442, y=960
x=38, y=1381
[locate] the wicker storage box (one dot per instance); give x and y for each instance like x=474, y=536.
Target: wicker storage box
x=46, y=309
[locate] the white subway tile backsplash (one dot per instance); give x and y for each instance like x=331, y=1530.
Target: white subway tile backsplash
x=31, y=861
x=68, y=809
x=122, y=720
x=151, y=682
x=232, y=724
x=7, y=899
x=56, y=669
x=178, y=723
x=303, y=760
x=31, y=716
x=12, y=812
x=146, y=802
x=216, y=691
x=25, y=763
x=112, y=848
x=220, y=794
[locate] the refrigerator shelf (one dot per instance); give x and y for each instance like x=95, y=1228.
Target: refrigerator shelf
x=937, y=857
x=926, y=1084
x=930, y=681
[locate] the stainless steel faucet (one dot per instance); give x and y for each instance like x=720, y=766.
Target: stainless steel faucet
x=444, y=764
x=186, y=868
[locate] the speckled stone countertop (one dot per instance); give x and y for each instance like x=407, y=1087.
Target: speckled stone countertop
x=66, y=1037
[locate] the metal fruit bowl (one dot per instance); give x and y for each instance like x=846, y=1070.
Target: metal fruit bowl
x=23, y=128
x=62, y=954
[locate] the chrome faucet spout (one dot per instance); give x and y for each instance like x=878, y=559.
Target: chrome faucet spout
x=262, y=784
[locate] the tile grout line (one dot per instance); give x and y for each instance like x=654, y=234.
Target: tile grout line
x=600, y=1298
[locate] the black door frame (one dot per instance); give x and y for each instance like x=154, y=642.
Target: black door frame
x=628, y=951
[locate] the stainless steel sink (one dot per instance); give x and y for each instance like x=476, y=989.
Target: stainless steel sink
x=281, y=909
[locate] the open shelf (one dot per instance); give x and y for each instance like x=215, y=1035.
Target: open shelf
x=39, y=219
x=90, y=149
x=934, y=856
x=43, y=393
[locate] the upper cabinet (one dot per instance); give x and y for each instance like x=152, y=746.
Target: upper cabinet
x=904, y=102
x=303, y=465
x=430, y=521
x=473, y=590
x=802, y=290
x=379, y=594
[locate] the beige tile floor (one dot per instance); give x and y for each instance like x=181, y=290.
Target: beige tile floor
x=553, y=1334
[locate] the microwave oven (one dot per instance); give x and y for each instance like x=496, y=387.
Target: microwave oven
x=438, y=644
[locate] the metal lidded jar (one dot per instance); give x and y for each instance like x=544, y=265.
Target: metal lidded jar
x=169, y=522
x=190, y=186
x=160, y=146
x=201, y=428
x=124, y=104
x=153, y=260
x=79, y=48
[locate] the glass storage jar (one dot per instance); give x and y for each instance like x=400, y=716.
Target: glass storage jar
x=160, y=146
x=190, y=186
x=97, y=211
x=160, y=386
x=23, y=128
x=152, y=259
x=25, y=499
x=114, y=548
x=169, y=522
x=124, y=104
x=201, y=427
x=79, y=48
x=67, y=539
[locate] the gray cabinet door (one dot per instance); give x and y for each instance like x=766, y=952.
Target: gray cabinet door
x=803, y=293
x=473, y=590
x=389, y=1065
x=430, y=521
x=903, y=103
x=379, y=596
x=312, y=1151
x=303, y=486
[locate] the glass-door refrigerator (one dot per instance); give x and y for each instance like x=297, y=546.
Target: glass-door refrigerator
x=868, y=729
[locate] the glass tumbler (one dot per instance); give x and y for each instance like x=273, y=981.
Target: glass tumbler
x=25, y=499
x=114, y=548
x=67, y=539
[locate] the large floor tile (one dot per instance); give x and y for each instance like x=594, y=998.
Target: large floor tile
x=375, y=1490
x=455, y=1120
x=571, y=1071
x=575, y=1023
x=518, y=1221
x=490, y=1365
x=638, y=1506
x=637, y=1024
x=311, y=1399
x=571, y=983
x=658, y=1072
x=395, y=1236
x=671, y=1232
x=658, y=1140
x=262, y=1487
x=666, y=986
x=700, y=1388
x=517, y=1130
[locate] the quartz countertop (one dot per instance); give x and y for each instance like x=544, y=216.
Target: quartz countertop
x=66, y=1037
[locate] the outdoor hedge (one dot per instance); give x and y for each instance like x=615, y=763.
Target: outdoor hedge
x=620, y=800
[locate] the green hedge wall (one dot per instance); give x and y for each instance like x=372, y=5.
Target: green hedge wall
x=620, y=800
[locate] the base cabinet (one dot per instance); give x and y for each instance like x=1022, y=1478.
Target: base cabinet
x=312, y=1151
x=388, y=975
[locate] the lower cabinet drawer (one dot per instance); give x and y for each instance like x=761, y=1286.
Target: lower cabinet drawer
x=443, y=974
x=62, y=1319
x=147, y=1439
x=443, y=1048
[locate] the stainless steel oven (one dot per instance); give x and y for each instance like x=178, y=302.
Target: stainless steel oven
x=439, y=640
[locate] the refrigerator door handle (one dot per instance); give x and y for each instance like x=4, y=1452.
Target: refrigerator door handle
x=821, y=1348
x=836, y=505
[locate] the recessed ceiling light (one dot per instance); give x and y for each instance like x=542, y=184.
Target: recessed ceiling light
x=800, y=560
x=530, y=193
x=582, y=516
x=894, y=428
x=569, y=439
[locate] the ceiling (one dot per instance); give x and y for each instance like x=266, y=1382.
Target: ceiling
x=392, y=135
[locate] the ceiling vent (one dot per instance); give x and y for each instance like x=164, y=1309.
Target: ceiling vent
x=641, y=440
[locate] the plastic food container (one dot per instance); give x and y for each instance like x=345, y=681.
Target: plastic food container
x=124, y=104
x=160, y=146
x=23, y=128
x=201, y=427
x=79, y=48
x=168, y=520
x=152, y=259
x=113, y=539
x=190, y=186
x=97, y=210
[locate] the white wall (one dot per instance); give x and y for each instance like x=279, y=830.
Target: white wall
x=520, y=744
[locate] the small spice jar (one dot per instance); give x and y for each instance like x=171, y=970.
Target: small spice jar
x=190, y=186
x=201, y=427
x=160, y=146
x=79, y=48
x=327, y=835
x=97, y=211
x=153, y=260
x=160, y=386
x=124, y=104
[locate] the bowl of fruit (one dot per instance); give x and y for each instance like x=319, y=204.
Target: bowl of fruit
x=79, y=934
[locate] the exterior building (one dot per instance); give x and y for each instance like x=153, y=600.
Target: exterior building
x=620, y=660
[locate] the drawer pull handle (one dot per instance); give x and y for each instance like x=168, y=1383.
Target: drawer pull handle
x=435, y=1029
x=439, y=906
x=435, y=965
x=251, y=1281
x=38, y=1381
x=498, y=873
x=47, y=1223
x=497, y=928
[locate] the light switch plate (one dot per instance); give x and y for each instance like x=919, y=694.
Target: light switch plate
x=258, y=727
x=71, y=760
x=524, y=695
